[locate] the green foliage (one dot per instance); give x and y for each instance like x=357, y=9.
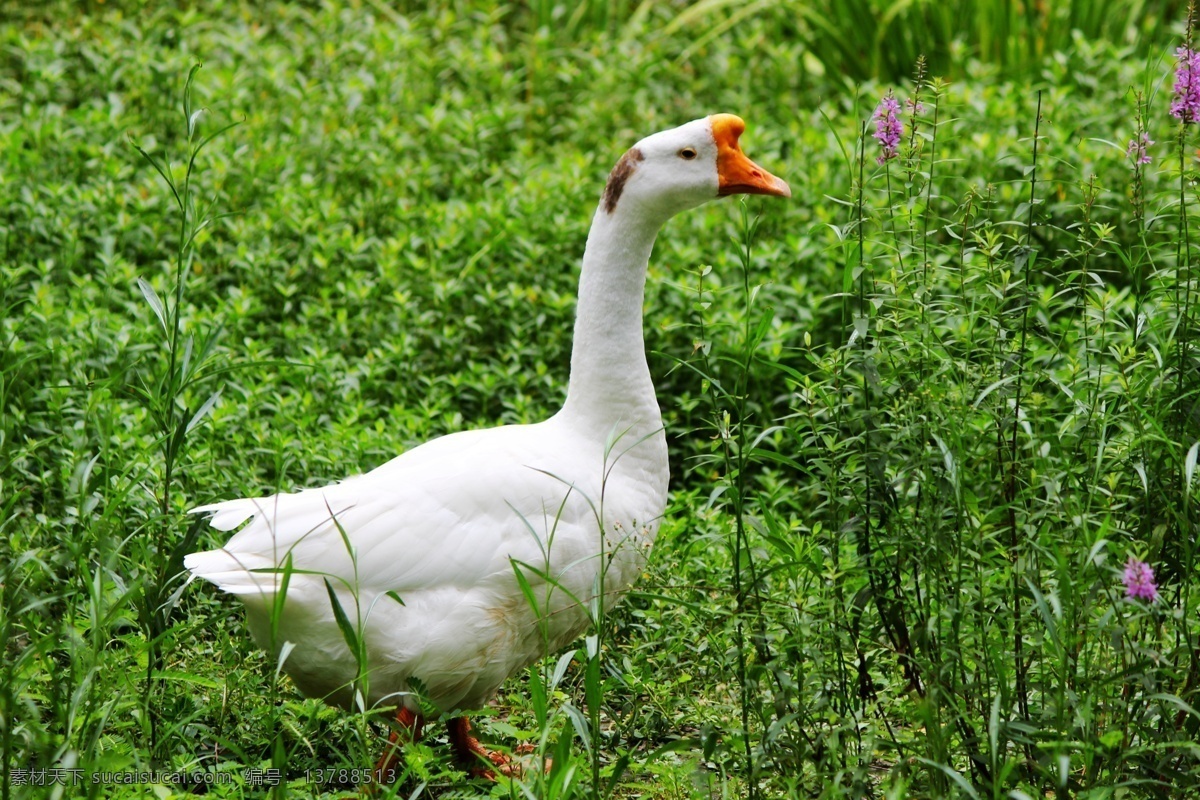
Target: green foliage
x=882, y=39
x=919, y=415
x=995, y=419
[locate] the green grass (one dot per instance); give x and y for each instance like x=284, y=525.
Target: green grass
x=919, y=416
x=854, y=40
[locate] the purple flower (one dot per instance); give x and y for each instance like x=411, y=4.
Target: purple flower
x=888, y=128
x=915, y=108
x=1137, y=149
x=1139, y=580
x=1186, y=105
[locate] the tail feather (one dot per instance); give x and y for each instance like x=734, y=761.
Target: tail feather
x=270, y=528
x=233, y=572
x=231, y=513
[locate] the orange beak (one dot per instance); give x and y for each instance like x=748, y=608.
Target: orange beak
x=737, y=174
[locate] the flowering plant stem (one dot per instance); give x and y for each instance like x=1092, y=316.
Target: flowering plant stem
x=163, y=392
x=1027, y=255
x=1183, y=294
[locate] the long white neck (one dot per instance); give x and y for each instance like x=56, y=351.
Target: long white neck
x=610, y=384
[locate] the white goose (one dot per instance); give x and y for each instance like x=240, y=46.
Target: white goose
x=421, y=550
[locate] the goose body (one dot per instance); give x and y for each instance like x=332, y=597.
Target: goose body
x=421, y=551
x=465, y=624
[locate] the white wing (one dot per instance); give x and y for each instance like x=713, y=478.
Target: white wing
x=449, y=513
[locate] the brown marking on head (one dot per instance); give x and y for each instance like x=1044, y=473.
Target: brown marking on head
x=620, y=173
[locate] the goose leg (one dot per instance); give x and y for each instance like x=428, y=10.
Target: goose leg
x=470, y=751
x=408, y=721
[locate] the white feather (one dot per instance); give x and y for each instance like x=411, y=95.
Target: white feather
x=421, y=551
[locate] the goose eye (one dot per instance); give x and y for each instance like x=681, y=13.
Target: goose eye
x=687, y=153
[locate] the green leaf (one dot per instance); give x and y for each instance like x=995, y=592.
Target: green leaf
x=156, y=304
x=580, y=723
x=188, y=678
x=954, y=775
x=526, y=586
x=538, y=696
x=280, y=598
x=1189, y=467
x=618, y=771
x=199, y=416
x=848, y=268
x=285, y=650
x=560, y=669
x=343, y=622
x=192, y=120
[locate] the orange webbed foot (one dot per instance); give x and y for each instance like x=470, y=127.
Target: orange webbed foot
x=408, y=728
x=471, y=752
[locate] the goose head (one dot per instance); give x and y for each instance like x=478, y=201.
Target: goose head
x=674, y=170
